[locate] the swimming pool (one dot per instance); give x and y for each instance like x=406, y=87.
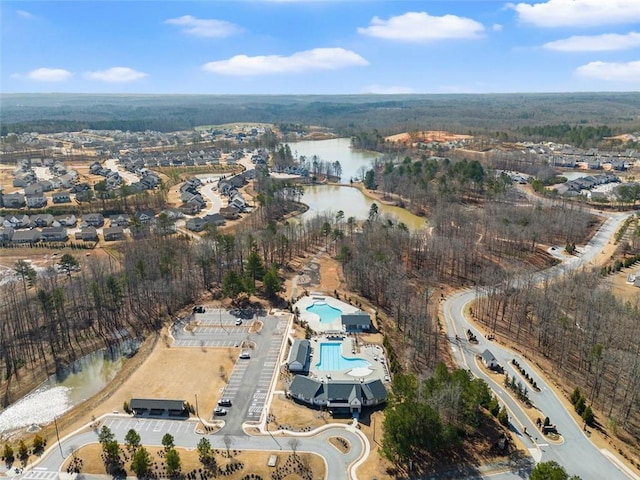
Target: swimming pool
x=326, y=312
x=331, y=359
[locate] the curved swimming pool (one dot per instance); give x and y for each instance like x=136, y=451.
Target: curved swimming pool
x=326, y=312
x=331, y=359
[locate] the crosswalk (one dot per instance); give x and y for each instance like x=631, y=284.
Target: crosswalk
x=40, y=475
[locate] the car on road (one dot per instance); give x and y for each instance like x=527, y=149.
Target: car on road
x=245, y=355
x=239, y=322
x=224, y=402
x=219, y=411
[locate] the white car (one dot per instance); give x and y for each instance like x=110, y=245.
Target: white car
x=245, y=355
x=219, y=411
x=239, y=322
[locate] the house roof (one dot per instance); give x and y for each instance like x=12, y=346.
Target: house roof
x=26, y=235
x=155, y=403
x=488, y=357
x=299, y=352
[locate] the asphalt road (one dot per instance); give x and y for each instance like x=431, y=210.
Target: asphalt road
x=184, y=434
x=577, y=454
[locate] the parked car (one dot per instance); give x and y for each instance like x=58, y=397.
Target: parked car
x=239, y=321
x=219, y=411
x=224, y=402
x=245, y=355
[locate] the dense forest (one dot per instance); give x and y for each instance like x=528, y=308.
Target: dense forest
x=346, y=114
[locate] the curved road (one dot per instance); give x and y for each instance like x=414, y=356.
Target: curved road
x=337, y=464
x=577, y=454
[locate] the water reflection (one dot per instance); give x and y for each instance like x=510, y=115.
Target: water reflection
x=331, y=198
x=52, y=399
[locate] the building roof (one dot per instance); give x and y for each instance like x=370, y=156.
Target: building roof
x=299, y=352
x=306, y=387
x=374, y=390
x=156, y=404
x=356, y=318
x=488, y=357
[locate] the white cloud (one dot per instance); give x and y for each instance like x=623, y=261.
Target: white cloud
x=202, y=27
x=496, y=27
x=595, y=43
x=625, y=72
x=420, y=27
x=393, y=90
x=560, y=13
x=24, y=14
x=116, y=75
x=316, y=59
x=49, y=74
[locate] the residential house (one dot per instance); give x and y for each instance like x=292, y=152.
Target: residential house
x=113, y=233
x=61, y=198
x=26, y=236
x=230, y=213
x=356, y=322
x=24, y=179
x=54, y=234
x=6, y=233
x=33, y=188
x=36, y=200
x=215, y=219
x=68, y=220
x=42, y=220
x=17, y=221
x=299, y=356
x=13, y=200
x=119, y=220
x=93, y=219
x=239, y=202
x=88, y=234
x=196, y=224
x=145, y=216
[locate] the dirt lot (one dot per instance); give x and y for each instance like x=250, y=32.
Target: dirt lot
x=427, y=136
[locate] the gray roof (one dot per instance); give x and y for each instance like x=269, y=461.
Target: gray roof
x=346, y=390
x=306, y=387
x=488, y=357
x=357, y=318
x=154, y=403
x=374, y=390
x=299, y=352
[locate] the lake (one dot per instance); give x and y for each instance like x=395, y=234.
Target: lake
x=336, y=149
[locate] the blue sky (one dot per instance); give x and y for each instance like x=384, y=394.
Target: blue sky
x=319, y=47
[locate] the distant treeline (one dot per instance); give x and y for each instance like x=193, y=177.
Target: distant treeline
x=577, y=135
x=346, y=114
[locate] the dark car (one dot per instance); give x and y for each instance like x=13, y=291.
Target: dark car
x=224, y=402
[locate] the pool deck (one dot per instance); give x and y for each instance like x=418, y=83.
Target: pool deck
x=373, y=354
x=313, y=320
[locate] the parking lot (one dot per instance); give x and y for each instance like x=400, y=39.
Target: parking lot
x=216, y=328
x=120, y=426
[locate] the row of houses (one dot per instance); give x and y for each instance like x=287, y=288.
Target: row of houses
x=58, y=234
x=61, y=176
x=575, y=187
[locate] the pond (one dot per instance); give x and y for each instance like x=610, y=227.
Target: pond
x=331, y=198
x=53, y=398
